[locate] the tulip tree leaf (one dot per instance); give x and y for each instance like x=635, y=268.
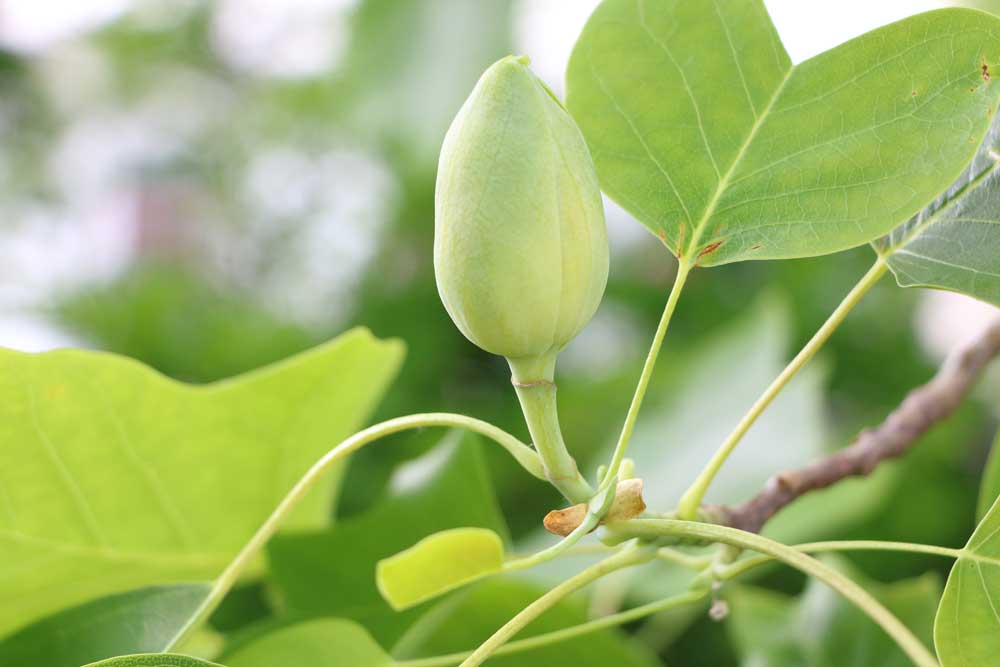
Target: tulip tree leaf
x=154, y=660
x=138, y=621
x=703, y=129
x=821, y=629
x=438, y=563
x=114, y=477
x=967, y=627
x=325, y=642
x=954, y=243
x=989, y=489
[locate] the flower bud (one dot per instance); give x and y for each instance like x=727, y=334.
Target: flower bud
x=520, y=244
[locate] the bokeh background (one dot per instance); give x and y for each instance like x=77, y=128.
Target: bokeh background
x=212, y=186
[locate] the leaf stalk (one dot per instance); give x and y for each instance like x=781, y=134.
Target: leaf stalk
x=691, y=500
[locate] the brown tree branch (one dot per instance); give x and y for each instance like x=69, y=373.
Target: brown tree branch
x=923, y=408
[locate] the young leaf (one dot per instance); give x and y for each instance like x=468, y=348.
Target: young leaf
x=463, y=621
x=703, y=129
x=954, y=243
x=114, y=477
x=821, y=629
x=437, y=564
x=325, y=642
x=967, y=627
x=140, y=621
x=154, y=660
x=989, y=489
x=332, y=573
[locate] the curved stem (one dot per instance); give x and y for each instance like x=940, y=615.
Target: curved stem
x=596, y=509
x=743, y=566
x=696, y=563
x=688, y=506
x=225, y=581
x=683, y=268
x=562, y=635
x=632, y=555
x=651, y=529
x=588, y=524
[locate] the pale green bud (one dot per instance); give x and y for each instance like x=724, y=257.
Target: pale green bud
x=520, y=244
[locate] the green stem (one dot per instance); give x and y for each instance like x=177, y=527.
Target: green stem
x=588, y=524
x=696, y=563
x=683, y=269
x=688, y=506
x=533, y=379
x=230, y=575
x=743, y=566
x=625, y=558
x=596, y=509
x=653, y=529
x=562, y=635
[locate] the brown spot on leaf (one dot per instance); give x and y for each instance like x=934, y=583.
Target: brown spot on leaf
x=756, y=247
x=913, y=94
x=986, y=72
x=710, y=248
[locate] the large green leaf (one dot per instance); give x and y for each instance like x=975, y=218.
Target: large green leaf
x=967, y=627
x=989, y=489
x=324, y=642
x=140, y=621
x=954, y=243
x=703, y=129
x=467, y=619
x=332, y=572
x=114, y=477
x=821, y=629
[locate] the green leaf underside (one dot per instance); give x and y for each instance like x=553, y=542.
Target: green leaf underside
x=140, y=621
x=469, y=617
x=821, y=629
x=438, y=563
x=332, y=572
x=701, y=127
x=114, y=477
x=323, y=642
x=989, y=489
x=954, y=243
x=967, y=627
x=154, y=660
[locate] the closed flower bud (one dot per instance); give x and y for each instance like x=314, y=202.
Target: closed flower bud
x=520, y=244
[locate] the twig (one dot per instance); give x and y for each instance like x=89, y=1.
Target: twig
x=923, y=407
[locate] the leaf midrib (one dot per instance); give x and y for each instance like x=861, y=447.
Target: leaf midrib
x=724, y=183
